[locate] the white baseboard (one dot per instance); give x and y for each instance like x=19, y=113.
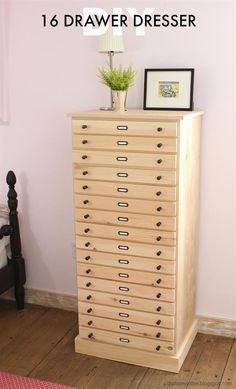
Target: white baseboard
x=217, y=326
x=46, y=299
x=207, y=324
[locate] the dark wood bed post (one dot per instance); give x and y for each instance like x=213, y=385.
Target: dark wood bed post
x=17, y=259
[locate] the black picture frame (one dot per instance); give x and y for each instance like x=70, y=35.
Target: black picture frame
x=185, y=96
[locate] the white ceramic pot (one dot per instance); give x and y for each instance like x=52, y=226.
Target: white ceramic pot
x=119, y=99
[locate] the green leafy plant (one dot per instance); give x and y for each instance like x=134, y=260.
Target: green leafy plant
x=117, y=78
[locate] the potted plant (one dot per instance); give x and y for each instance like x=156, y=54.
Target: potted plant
x=119, y=80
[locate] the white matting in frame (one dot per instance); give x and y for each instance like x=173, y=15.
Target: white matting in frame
x=170, y=89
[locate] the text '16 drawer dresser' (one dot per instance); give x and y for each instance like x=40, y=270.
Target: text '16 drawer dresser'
x=136, y=184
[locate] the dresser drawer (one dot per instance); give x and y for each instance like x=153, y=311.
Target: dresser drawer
x=126, y=262
x=133, y=276
x=126, y=328
x=124, y=159
x=126, y=128
x=104, y=142
x=165, y=238
x=128, y=341
x=126, y=288
x=123, y=219
x=154, y=177
x=125, y=190
x=127, y=315
x=129, y=205
x=121, y=301
x=127, y=248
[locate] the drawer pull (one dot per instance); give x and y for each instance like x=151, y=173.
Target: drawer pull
x=158, y=335
x=87, y=244
x=86, y=216
x=89, y=310
x=123, y=275
x=84, y=126
x=90, y=335
x=87, y=258
x=84, y=156
x=122, y=159
x=88, y=284
x=159, y=267
x=158, y=238
x=85, y=202
x=159, y=161
x=85, y=187
x=159, y=209
x=159, y=281
x=123, y=261
x=159, y=253
x=158, y=224
x=159, y=129
x=123, y=314
x=125, y=190
x=158, y=295
x=159, y=145
x=159, y=178
x=158, y=322
x=90, y=322
x=85, y=173
x=158, y=309
x=124, y=340
x=86, y=230
x=124, y=302
x=124, y=327
x=121, y=247
x=88, y=271
x=84, y=142
x=89, y=297
x=122, y=128
x=158, y=193
x=122, y=142
x=123, y=233
x=124, y=205
x=158, y=348
x=123, y=289
x=122, y=175
x=123, y=219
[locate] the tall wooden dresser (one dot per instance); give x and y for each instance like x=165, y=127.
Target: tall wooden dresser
x=136, y=184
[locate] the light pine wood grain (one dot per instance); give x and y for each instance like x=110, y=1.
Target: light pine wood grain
x=157, y=223
x=132, y=289
x=166, y=238
x=123, y=262
x=134, y=115
x=121, y=143
x=107, y=173
x=113, y=127
x=179, y=137
x=122, y=301
x=149, y=207
x=132, y=276
x=61, y=364
x=122, y=159
x=125, y=191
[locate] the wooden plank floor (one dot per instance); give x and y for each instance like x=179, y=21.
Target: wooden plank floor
x=38, y=342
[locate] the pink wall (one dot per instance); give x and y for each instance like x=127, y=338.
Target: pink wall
x=53, y=71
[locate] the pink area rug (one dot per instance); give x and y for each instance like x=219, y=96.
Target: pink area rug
x=11, y=381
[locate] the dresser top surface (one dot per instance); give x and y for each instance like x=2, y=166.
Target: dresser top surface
x=134, y=114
